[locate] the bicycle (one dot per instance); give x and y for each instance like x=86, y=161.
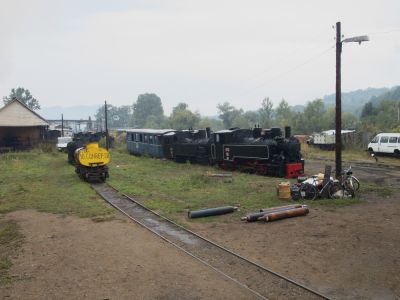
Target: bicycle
x=347, y=184
x=309, y=188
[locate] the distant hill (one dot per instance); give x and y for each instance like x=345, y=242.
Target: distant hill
x=354, y=101
x=392, y=94
x=70, y=113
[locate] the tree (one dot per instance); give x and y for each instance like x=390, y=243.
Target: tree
x=23, y=95
x=252, y=117
x=227, y=113
x=283, y=114
x=214, y=124
x=266, y=113
x=148, y=105
x=117, y=117
x=368, y=110
x=183, y=118
x=313, y=119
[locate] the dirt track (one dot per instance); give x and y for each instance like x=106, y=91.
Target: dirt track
x=72, y=258
x=350, y=252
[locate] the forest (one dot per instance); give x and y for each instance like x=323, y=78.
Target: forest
x=378, y=114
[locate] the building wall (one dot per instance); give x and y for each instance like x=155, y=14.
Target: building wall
x=21, y=137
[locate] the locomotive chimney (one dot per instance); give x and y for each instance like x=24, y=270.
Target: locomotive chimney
x=288, y=132
x=256, y=132
x=275, y=132
x=208, y=132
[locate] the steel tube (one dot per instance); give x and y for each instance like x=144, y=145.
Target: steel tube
x=211, y=212
x=256, y=216
x=284, y=214
x=280, y=207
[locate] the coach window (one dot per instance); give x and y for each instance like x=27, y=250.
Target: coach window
x=217, y=138
x=384, y=139
x=156, y=140
x=146, y=138
x=132, y=136
x=151, y=139
x=393, y=139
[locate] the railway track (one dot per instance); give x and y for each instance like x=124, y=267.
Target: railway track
x=259, y=281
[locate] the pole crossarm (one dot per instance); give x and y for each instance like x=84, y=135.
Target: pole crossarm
x=356, y=39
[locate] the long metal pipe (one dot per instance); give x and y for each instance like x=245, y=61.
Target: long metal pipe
x=211, y=212
x=255, y=216
x=284, y=214
x=279, y=207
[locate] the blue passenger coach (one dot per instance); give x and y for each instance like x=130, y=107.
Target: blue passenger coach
x=153, y=142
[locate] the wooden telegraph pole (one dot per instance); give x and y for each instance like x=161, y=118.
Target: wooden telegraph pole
x=105, y=117
x=338, y=129
x=62, y=124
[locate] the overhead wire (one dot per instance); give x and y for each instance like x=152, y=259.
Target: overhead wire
x=306, y=62
x=314, y=57
x=291, y=53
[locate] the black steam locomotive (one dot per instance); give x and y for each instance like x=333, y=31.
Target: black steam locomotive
x=266, y=152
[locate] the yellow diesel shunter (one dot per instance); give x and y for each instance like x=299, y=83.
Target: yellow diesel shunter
x=91, y=162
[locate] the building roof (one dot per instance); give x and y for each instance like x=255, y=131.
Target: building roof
x=17, y=114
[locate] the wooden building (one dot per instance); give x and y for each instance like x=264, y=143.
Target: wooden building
x=20, y=127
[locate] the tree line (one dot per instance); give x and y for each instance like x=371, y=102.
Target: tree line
x=147, y=112
x=380, y=114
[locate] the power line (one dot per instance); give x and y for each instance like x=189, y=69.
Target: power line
x=384, y=32
x=290, y=54
x=291, y=69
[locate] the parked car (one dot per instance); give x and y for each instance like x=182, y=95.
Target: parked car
x=385, y=143
x=62, y=142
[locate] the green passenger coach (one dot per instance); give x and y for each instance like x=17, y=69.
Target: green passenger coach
x=152, y=142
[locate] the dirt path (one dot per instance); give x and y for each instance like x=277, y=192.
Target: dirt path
x=351, y=252
x=72, y=258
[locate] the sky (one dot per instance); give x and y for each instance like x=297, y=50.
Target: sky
x=82, y=52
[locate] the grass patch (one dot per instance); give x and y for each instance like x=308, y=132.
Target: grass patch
x=348, y=155
x=10, y=241
x=381, y=190
x=45, y=182
x=173, y=189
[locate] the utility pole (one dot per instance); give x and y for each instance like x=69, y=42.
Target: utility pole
x=105, y=117
x=62, y=124
x=338, y=128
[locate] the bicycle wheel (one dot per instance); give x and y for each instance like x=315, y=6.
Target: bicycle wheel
x=348, y=188
x=333, y=190
x=356, y=183
x=308, y=191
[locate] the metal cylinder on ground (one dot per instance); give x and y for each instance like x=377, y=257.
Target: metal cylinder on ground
x=211, y=212
x=281, y=207
x=295, y=212
x=255, y=216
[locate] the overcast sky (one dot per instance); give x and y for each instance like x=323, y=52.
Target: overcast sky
x=206, y=52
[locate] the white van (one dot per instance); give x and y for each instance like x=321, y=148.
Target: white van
x=62, y=143
x=385, y=143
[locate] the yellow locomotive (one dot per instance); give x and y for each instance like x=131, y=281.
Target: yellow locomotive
x=91, y=162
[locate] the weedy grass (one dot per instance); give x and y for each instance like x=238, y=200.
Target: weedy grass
x=45, y=182
x=173, y=189
x=348, y=155
x=10, y=241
